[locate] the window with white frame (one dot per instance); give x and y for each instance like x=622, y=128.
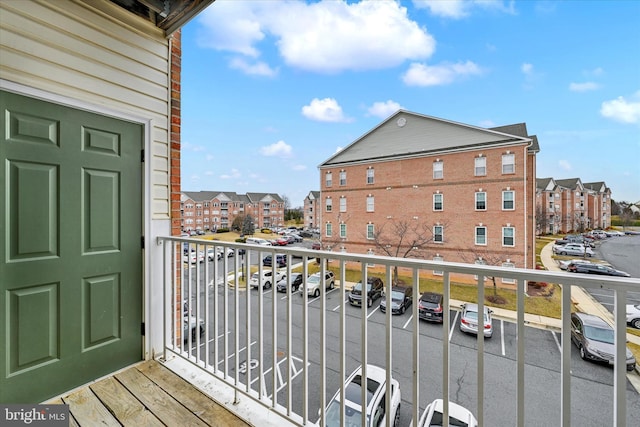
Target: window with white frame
x=370, y=204
x=438, y=169
x=328, y=231
x=343, y=204
x=438, y=234
x=328, y=179
x=508, y=200
x=480, y=166
x=343, y=230
x=438, y=272
x=343, y=177
x=370, y=175
x=438, y=202
x=370, y=232
x=328, y=204
x=481, y=201
x=508, y=236
x=508, y=264
x=481, y=235
x=508, y=163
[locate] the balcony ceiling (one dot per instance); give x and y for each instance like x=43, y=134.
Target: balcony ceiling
x=168, y=15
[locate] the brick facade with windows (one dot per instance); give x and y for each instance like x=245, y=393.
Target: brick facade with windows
x=421, y=170
x=312, y=210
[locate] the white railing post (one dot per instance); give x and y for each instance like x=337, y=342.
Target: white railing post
x=620, y=359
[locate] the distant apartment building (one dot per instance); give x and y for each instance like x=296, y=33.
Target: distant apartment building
x=213, y=210
x=468, y=191
x=312, y=211
x=566, y=205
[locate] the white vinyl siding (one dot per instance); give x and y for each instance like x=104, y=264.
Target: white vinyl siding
x=99, y=61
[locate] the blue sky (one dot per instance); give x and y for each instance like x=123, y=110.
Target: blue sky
x=271, y=89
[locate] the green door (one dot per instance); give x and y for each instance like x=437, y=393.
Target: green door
x=70, y=247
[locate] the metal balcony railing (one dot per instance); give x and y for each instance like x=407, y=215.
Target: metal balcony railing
x=290, y=352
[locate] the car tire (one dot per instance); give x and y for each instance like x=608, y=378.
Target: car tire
x=396, y=420
x=583, y=353
x=402, y=309
x=332, y=285
x=636, y=323
x=563, y=253
x=369, y=302
x=267, y=285
x=316, y=293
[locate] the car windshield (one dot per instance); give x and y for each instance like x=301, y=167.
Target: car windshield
x=473, y=315
x=436, y=420
x=397, y=295
x=255, y=276
x=352, y=416
x=313, y=279
x=358, y=287
x=599, y=334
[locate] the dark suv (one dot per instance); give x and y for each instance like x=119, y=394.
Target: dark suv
x=281, y=261
x=374, y=291
x=430, y=307
x=401, y=299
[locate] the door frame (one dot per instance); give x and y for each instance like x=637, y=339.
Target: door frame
x=147, y=125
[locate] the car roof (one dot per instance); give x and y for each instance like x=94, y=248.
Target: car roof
x=592, y=320
x=431, y=297
x=474, y=307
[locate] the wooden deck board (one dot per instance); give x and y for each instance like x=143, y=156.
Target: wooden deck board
x=123, y=405
x=87, y=409
x=192, y=398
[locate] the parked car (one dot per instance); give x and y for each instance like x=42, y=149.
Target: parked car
x=574, y=249
x=598, y=234
x=297, y=238
x=228, y=251
x=312, y=284
x=575, y=238
x=430, y=306
x=258, y=241
x=281, y=260
x=614, y=233
x=591, y=268
x=595, y=339
x=374, y=291
x=280, y=241
x=376, y=402
x=194, y=257
x=633, y=315
x=458, y=415
x=316, y=246
x=565, y=263
x=295, y=280
x=401, y=299
x=190, y=323
x=469, y=319
x=266, y=279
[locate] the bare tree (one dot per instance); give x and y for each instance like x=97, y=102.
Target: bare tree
x=542, y=220
x=485, y=258
x=403, y=238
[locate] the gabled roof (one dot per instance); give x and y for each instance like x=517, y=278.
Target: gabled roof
x=599, y=187
x=545, y=184
x=201, y=196
x=313, y=195
x=262, y=197
x=405, y=134
x=571, y=183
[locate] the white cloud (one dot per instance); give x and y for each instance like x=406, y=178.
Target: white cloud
x=531, y=76
x=583, y=87
x=457, y=9
x=487, y=124
x=192, y=147
x=234, y=174
x=258, y=68
x=445, y=73
x=209, y=157
x=622, y=110
x=299, y=167
x=278, y=149
x=208, y=173
x=325, y=36
x=324, y=110
x=564, y=165
x=527, y=69
x=383, y=109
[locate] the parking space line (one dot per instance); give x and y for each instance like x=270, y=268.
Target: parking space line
x=452, y=326
x=555, y=337
x=502, y=336
x=407, y=323
x=373, y=311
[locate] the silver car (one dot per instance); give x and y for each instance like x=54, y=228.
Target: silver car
x=573, y=249
x=469, y=320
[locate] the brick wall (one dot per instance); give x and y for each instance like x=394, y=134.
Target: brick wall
x=174, y=134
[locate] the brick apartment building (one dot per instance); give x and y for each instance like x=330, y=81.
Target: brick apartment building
x=311, y=210
x=212, y=210
x=468, y=191
x=567, y=205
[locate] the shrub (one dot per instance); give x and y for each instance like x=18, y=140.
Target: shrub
x=222, y=230
x=241, y=240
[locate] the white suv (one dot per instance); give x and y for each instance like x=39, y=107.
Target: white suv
x=376, y=402
x=312, y=284
x=266, y=280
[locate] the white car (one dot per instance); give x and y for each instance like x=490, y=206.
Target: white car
x=458, y=415
x=375, y=408
x=633, y=315
x=193, y=257
x=574, y=249
x=312, y=284
x=469, y=320
x=266, y=280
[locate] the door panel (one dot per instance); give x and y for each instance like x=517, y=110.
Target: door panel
x=70, y=255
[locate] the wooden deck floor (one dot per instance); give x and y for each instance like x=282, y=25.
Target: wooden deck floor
x=147, y=394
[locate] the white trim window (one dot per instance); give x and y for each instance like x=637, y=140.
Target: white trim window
x=328, y=204
x=438, y=272
x=343, y=230
x=438, y=202
x=481, y=201
x=481, y=235
x=328, y=230
x=370, y=203
x=343, y=204
x=328, y=179
x=508, y=163
x=508, y=236
x=370, y=176
x=508, y=264
x=343, y=178
x=438, y=169
x=480, y=166
x=438, y=234
x=508, y=200
x=370, y=232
